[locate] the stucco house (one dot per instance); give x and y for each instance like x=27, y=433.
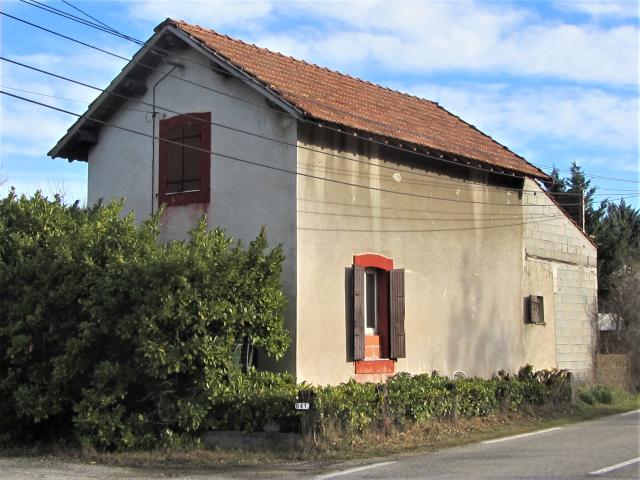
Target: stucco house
x=413, y=241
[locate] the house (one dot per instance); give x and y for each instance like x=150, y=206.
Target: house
x=413, y=241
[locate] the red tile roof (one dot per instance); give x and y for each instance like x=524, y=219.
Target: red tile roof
x=330, y=96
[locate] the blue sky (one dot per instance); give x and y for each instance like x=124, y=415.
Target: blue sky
x=555, y=81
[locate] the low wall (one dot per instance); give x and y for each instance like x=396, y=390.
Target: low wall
x=613, y=370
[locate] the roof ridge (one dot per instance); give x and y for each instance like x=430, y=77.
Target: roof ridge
x=314, y=65
x=373, y=104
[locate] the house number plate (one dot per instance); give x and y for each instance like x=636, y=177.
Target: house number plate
x=302, y=405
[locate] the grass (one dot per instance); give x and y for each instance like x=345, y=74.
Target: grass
x=434, y=434
x=334, y=444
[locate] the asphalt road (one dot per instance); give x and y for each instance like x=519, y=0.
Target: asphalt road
x=585, y=450
x=591, y=450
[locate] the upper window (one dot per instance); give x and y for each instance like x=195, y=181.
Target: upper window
x=185, y=159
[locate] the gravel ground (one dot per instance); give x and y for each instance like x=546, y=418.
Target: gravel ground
x=51, y=468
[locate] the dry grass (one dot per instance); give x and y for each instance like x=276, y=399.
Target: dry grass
x=333, y=443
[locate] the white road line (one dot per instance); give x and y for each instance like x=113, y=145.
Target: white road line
x=504, y=439
x=352, y=470
x=631, y=412
x=615, y=467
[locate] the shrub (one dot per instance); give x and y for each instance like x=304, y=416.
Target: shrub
x=259, y=398
x=418, y=397
x=119, y=340
x=476, y=397
x=354, y=406
x=602, y=394
x=250, y=401
x=586, y=397
x=596, y=393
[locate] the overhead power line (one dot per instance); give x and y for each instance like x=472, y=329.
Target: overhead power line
x=75, y=18
x=546, y=218
x=66, y=99
x=270, y=167
x=441, y=159
x=295, y=145
x=90, y=17
x=109, y=30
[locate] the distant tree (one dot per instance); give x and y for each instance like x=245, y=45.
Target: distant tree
x=557, y=184
x=615, y=227
x=569, y=194
x=617, y=234
x=623, y=304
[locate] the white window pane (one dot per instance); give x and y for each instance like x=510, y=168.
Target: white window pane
x=370, y=289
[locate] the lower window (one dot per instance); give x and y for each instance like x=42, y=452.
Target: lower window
x=378, y=309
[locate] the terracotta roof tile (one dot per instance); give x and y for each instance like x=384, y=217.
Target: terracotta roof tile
x=331, y=96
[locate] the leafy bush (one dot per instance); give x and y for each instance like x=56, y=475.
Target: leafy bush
x=418, y=397
x=250, y=401
x=602, y=394
x=259, y=398
x=112, y=337
x=353, y=405
x=586, y=396
x=598, y=393
x=476, y=397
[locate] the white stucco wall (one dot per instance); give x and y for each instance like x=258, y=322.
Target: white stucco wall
x=464, y=275
x=467, y=273
x=243, y=197
x=554, y=240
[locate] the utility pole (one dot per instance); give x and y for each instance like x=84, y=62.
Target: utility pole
x=582, y=205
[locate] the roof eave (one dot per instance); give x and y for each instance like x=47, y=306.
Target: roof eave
x=455, y=157
x=67, y=146
x=64, y=147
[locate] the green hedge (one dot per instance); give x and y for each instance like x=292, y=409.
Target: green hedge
x=263, y=398
x=118, y=340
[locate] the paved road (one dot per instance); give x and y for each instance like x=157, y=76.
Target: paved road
x=585, y=451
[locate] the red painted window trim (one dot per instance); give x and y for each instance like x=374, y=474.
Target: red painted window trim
x=204, y=194
x=384, y=364
x=373, y=260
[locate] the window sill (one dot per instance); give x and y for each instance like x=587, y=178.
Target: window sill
x=184, y=198
x=375, y=366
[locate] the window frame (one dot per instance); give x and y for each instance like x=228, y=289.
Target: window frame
x=391, y=329
x=375, y=329
x=203, y=195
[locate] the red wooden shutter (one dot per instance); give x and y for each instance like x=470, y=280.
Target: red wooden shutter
x=358, y=313
x=397, y=314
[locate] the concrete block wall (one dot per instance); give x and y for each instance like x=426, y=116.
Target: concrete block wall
x=552, y=237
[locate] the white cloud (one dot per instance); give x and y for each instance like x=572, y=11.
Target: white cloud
x=626, y=163
x=424, y=37
x=518, y=116
x=463, y=36
x=20, y=120
x=33, y=127
x=600, y=8
x=207, y=13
